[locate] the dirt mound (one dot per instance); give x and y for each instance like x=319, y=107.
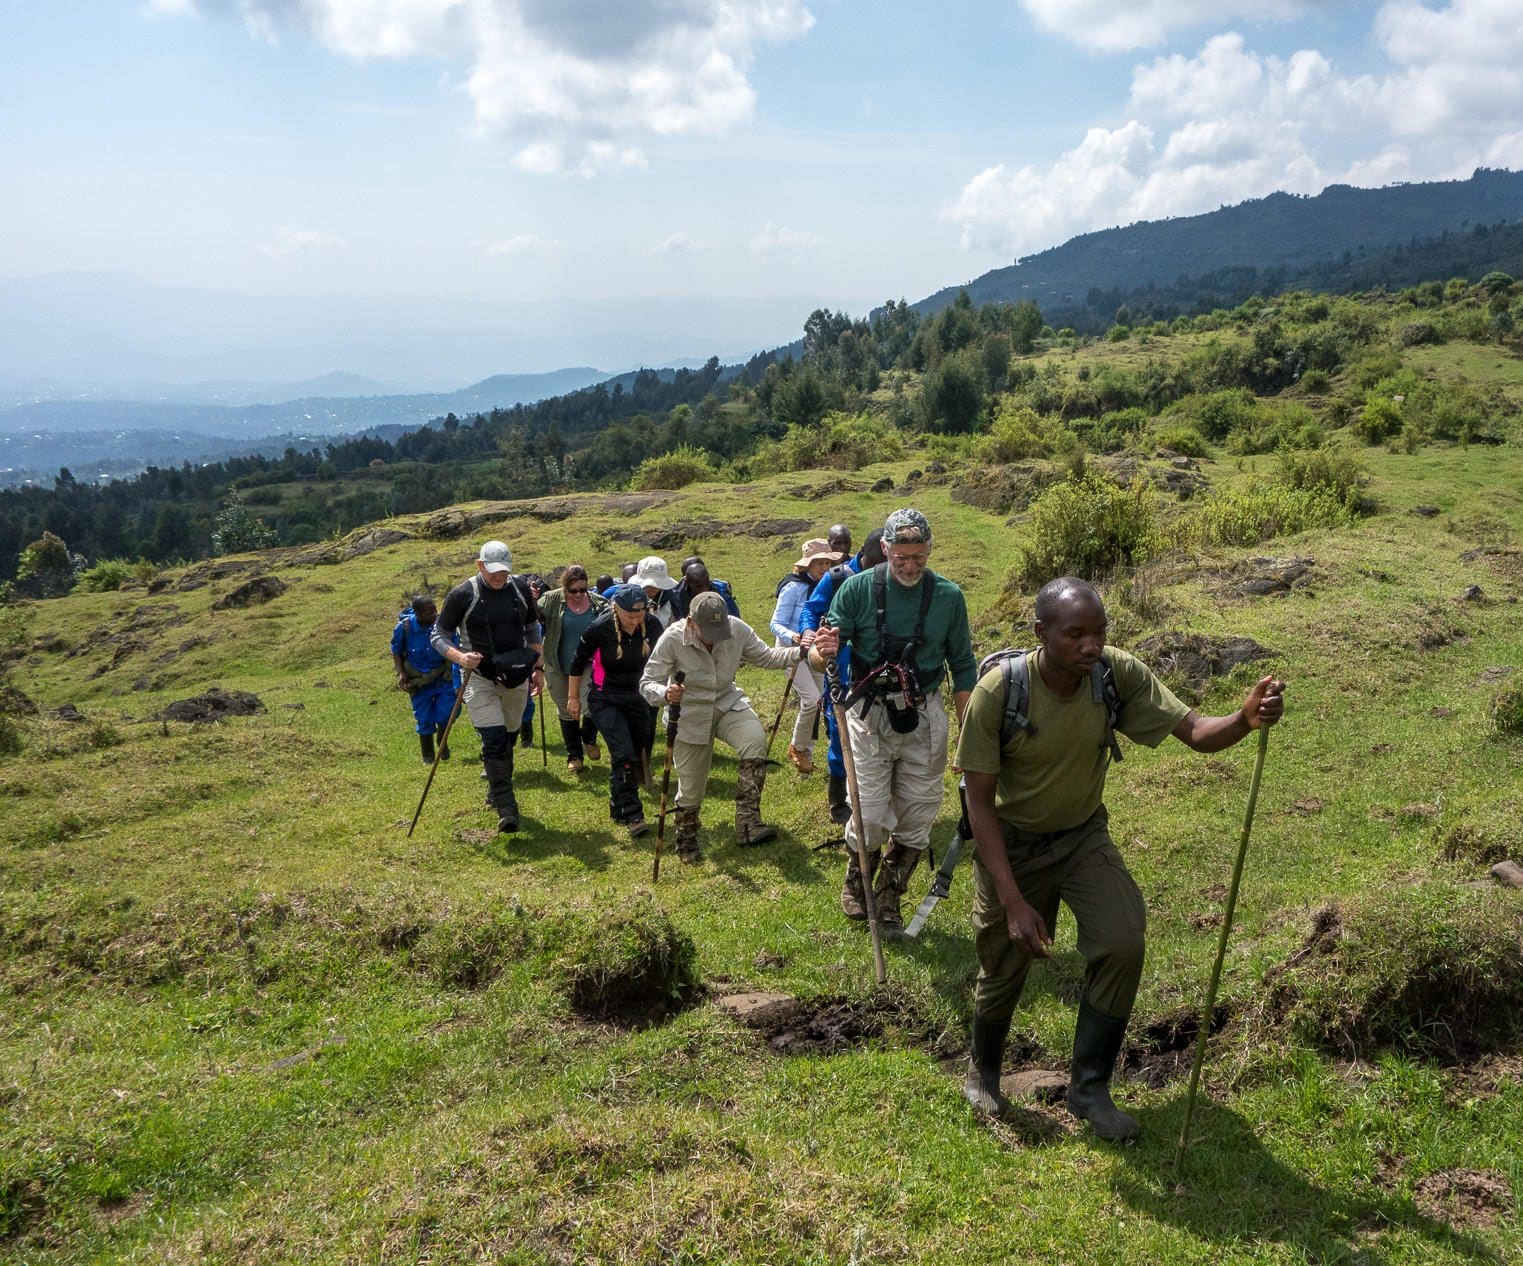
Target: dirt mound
x=1431, y=970
x=824, y=1026
x=632, y=967
x=251, y=593
x=1193, y=658
x=1464, y=1197
x=15, y=704
x=1004, y=489
x=1264, y=577
x=215, y=705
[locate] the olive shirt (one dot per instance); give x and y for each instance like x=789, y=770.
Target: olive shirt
x=947, y=640
x=1052, y=778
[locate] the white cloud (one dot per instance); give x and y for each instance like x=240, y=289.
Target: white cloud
x=574, y=83
x=521, y=245
x=1117, y=25
x=778, y=239
x=294, y=241
x=675, y=244
x=169, y=8
x=1230, y=123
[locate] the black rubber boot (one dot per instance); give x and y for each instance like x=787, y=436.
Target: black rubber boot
x=985, y=1061
x=426, y=742
x=1097, y=1042
x=500, y=791
x=443, y=744
x=526, y=735
x=840, y=807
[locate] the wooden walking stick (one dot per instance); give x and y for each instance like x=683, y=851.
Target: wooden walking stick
x=440, y=750
x=673, y=715
x=544, y=747
x=782, y=706
x=1221, y=946
x=854, y=798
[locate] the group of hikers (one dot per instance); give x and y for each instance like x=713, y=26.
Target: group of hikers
x=879, y=633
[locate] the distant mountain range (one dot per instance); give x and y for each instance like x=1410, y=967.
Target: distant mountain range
x=1283, y=233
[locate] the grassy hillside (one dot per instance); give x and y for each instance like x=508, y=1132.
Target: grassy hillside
x=246, y=1018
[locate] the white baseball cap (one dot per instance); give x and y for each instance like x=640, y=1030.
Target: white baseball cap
x=495, y=557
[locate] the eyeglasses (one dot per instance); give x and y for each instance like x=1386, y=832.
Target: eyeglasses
x=575, y=592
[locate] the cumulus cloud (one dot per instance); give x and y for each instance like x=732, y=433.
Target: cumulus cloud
x=575, y=84
x=521, y=245
x=294, y=241
x=1230, y=123
x=778, y=239
x=1117, y=25
x=676, y=244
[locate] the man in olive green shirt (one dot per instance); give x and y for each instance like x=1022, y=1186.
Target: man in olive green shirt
x=1035, y=805
x=898, y=738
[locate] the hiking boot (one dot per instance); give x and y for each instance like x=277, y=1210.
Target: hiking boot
x=685, y=839
x=637, y=827
x=985, y=1060
x=426, y=743
x=1097, y=1042
x=899, y=862
x=801, y=761
x=592, y=750
x=500, y=798
x=840, y=806
x=750, y=779
x=853, y=899
x=526, y=736
x=574, y=766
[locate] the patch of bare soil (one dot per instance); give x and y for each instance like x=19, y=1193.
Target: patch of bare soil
x=1004, y=489
x=1164, y=1048
x=1464, y=1197
x=1194, y=658
x=15, y=704
x=221, y=569
x=820, y=1026
x=215, y=705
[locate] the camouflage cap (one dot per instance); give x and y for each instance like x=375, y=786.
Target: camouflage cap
x=906, y=527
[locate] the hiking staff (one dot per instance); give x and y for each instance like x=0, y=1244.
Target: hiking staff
x=1221, y=946
x=442, y=748
x=781, y=708
x=854, y=797
x=673, y=715
x=544, y=747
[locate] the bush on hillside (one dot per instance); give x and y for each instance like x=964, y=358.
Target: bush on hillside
x=106, y=576
x=1276, y=426
x=1250, y=515
x=682, y=466
x=1379, y=420
x=842, y=441
x=1339, y=472
x=1019, y=434
x=1088, y=526
x=1182, y=439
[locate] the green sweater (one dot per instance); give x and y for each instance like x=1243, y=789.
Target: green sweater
x=948, y=640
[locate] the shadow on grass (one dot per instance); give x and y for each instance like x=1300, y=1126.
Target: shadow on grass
x=1231, y=1190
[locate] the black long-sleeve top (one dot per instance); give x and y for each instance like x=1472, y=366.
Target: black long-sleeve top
x=623, y=655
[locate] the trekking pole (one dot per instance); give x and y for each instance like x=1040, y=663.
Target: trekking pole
x=782, y=707
x=439, y=752
x=854, y=797
x=544, y=747
x=1221, y=947
x=673, y=715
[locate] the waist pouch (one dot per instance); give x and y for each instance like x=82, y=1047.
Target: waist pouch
x=510, y=668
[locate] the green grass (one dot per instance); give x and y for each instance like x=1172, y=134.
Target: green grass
x=247, y=1018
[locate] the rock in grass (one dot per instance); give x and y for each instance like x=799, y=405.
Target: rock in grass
x=1509, y=873
x=214, y=705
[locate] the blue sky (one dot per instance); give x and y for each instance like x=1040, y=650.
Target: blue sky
x=786, y=152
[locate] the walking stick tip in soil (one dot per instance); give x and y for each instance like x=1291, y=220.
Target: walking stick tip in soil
x=439, y=752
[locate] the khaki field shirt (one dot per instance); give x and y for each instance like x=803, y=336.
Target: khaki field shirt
x=710, y=687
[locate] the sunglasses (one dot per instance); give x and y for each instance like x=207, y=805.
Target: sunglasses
x=583, y=589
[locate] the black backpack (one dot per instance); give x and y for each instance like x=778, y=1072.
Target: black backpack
x=1012, y=665
x=792, y=577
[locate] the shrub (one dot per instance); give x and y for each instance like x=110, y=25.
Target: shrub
x=1415, y=333
x=1379, y=420
x=236, y=531
x=842, y=441
x=1088, y=526
x=952, y=394
x=1248, y=516
x=106, y=576
x=1316, y=381
x=1220, y=413
x=1336, y=471
x=1271, y=428
x=682, y=466
x=1182, y=439
x=1018, y=434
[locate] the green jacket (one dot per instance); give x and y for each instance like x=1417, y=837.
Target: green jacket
x=552, y=606
x=948, y=640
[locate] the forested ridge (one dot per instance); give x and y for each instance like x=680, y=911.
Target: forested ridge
x=853, y=390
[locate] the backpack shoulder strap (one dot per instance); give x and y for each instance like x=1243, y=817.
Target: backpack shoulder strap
x=1103, y=690
x=1017, y=697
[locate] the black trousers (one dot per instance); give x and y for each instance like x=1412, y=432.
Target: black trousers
x=627, y=726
